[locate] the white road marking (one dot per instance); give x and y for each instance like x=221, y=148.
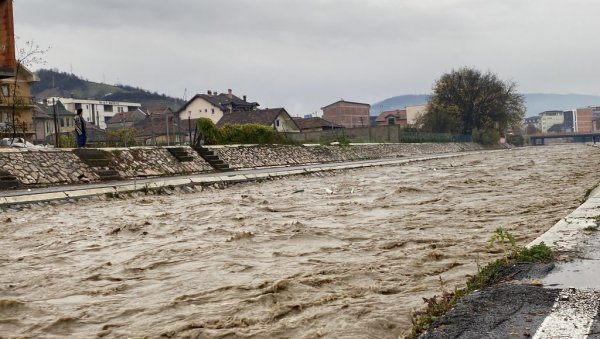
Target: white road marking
x=572, y=315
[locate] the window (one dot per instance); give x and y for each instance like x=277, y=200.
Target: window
x=213, y=110
x=62, y=122
x=206, y=110
x=391, y=121
x=277, y=123
x=5, y=90
x=77, y=106
x=108, y=108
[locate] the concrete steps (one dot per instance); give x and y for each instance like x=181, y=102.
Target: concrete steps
x=212, y=158
x=8, y=181
x=98, y=160
x=180, y=153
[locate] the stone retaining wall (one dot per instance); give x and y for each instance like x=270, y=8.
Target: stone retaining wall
x=46, y=167
x=61, y=166
x=241, y=156
x=153, y=161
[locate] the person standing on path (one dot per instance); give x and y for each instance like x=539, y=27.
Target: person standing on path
x=80, y=129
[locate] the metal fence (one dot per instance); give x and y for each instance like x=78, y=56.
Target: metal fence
x=391, y=134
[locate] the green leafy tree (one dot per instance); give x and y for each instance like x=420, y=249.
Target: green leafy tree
x=206, y=132
x=122, y=137
x=467, y=99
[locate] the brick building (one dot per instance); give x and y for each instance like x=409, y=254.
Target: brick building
x=348, y=114
x=8, y=62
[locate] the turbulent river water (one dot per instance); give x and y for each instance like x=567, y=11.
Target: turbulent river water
x=345, y=254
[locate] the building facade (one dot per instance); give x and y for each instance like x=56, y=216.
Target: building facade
x=549, y=119
x=396, y=117
x=213, y=106
x=8, y=62
x=96, y=112
x=16, y=104
x=348, y=114
x=578, y=120
x=413, y=113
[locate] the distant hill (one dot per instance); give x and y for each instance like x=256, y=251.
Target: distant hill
x=61, y=84
x=534, y=102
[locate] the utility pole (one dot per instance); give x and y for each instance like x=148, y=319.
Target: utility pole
x=56, y=138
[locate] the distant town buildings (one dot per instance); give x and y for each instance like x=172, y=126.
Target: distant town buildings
x=96, y=112
x=578, y=120
x=348, y=114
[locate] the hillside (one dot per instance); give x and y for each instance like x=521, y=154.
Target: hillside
x=534, y=102
x=55, y=83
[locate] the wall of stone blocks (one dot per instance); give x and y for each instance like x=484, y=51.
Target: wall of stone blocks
x=153, y=161
x=46, y=167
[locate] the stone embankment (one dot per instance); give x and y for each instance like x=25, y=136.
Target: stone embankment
x=241, y=157
x=46, y=167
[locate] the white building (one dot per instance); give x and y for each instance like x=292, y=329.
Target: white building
x=97, y=112
x=413, y=113
x=549, y=119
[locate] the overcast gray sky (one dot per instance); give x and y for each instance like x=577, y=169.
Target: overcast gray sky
x=305, y=54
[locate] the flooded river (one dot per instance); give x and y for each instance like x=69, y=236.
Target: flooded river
x=344, y=254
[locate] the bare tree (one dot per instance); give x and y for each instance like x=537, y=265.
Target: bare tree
x=27, y=56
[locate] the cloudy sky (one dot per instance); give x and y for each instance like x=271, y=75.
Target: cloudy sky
x=305, y=54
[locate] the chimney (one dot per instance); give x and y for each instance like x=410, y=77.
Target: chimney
x=230, y=93
x=244, y=98
x=209, y=92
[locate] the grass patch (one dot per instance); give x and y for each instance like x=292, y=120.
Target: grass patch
x=437, y=306
x=591, y=229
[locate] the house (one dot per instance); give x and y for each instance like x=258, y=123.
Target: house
x=8, y=62
x=125, y=119
x=396, y=117
x=15, y=96
x=315, y=124
x=213, y=106
x=277, y=118
x=348, y=114
x=45, y=118
x=97, y=112
x=160, y=127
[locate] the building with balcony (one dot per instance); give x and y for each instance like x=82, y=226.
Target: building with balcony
x=16, y=104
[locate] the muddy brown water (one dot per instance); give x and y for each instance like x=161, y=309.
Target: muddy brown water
x=350, y=256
